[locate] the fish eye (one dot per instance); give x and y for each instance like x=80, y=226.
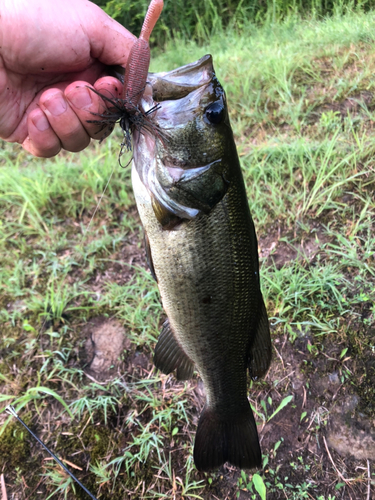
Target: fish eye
x=215, y=112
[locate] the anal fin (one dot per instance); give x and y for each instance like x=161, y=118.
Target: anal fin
x=261, y=347
x=170, y=356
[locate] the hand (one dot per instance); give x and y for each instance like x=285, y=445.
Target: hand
x=49, y=53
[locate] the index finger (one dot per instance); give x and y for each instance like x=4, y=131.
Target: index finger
x=90, y=107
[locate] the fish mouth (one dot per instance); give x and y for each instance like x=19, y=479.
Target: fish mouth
x=180, y=82
x=179, y=92
x=183, y=178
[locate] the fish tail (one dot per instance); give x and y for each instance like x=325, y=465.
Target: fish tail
x=219, y=440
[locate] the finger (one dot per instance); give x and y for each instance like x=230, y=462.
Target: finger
x=41, y=140
x=90, y=107
x=109, y=86
x=63, y=120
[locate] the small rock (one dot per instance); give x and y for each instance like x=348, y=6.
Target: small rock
x=104, y=346
x=298, y=380
x=351, y=434
x=333, y=378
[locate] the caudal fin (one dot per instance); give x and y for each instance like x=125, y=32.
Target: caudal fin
x=219, y=440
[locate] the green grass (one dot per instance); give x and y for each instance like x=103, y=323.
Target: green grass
x=201, y=19
x=302, y=111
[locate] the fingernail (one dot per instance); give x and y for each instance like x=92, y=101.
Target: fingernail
x=56, y=105
x=80, y=98
x=40, y=121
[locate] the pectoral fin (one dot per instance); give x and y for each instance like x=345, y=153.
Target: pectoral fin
x=169, y=355
x=165, y=217
x=261, y=347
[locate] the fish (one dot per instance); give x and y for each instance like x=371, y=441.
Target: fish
x=202, y=250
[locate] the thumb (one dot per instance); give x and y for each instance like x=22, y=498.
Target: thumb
x=110, y=42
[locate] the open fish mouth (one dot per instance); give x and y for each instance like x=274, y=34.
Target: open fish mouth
x=184, y=168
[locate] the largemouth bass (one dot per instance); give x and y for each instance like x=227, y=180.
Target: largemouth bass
x=202, y=250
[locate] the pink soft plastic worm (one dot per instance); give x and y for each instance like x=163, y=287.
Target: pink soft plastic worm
x=139, y=59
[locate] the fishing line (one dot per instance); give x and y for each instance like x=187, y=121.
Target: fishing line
x=97, y=207
x=11, y=411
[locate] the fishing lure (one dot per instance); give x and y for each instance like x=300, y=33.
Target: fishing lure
x=126, y=110
x=139, y=59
